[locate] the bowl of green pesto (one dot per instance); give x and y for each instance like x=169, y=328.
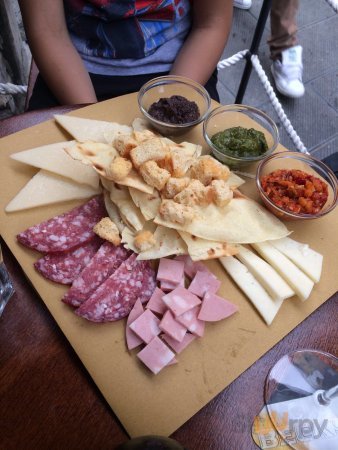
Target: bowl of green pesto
x=240, y=135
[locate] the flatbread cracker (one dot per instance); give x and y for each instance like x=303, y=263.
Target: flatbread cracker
x=149, y=204
x=168, y=242
x=201, y=249
x=113, y=211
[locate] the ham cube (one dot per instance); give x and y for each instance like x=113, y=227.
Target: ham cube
x=170, y=270
x=173, y=361
x=190, y=319
x=132, y=339
x=204, y=282
x=156, y=303
x=180, y=300
x=167, y=286
x=178, y=347
x=156, y=355
x=174, y=329
x=215, y=308
x=191, y=267
x=146, y=326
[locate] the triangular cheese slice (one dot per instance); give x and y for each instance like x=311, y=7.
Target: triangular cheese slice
x=91, y=130
x=46, y=188
x=54, y=159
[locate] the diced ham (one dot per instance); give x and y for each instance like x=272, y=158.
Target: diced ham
x=146, y=326
x=191, y=321
x=167, y=286
x=204, y=282
x=132, y=339
x=190, y=266
x=180, y=300
x=178, y=347
x=215, y=308
x=171, y=327
x=156, y=303
x=173, y=361
x=170, y=270
x=156, y=355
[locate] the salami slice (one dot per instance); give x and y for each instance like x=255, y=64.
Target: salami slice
x=148, y=284
x=64, y=267
x=116, y=296
x=66, y=231
x=104, y=263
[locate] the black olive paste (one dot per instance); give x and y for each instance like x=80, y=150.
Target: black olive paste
x=175, y=109
x=240, y=142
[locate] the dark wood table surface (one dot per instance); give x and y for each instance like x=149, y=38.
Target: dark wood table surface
x=48, y=400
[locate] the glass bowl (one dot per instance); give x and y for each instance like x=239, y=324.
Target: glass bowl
x=167, y=86
x=229, y=116
x=297, y=161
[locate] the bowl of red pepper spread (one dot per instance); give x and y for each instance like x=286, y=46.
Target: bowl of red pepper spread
x=295, y=186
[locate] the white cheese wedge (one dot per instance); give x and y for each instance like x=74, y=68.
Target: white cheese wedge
x=54, y=159
x=297, y=279
x=46, y=188
x=265, y=305
x=308, y=260
x=269, y=278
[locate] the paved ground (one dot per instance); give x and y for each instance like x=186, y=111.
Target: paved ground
x=314, y=116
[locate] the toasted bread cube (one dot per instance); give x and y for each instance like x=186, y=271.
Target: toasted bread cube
x=144, y=240
x=194, y=194
x=151, y=150
x=174, y=212
x=174, y=186
x=154, y=175
x=207, y=169
x=107, y=230
x=119, y=169
x=144, y=135
x=221, y=192
x=124, y=144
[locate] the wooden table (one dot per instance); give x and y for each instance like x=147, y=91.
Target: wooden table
x=47, y=399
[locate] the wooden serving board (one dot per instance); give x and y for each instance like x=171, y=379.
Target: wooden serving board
x=145, y=403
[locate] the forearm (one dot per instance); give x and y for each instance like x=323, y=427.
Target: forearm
x=52, y=50
x=204, y=46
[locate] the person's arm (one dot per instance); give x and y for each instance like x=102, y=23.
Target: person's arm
x=205, y=43
x=53, y=52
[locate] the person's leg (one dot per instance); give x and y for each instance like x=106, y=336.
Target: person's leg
x=283, y=26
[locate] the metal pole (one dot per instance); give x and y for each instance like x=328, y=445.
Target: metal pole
x=263, y=16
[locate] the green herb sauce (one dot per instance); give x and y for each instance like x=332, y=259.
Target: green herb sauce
x=240, y=142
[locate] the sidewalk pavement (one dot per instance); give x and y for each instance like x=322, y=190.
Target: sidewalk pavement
x=315, y=115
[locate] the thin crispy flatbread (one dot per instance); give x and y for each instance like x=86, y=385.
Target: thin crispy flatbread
x=53, y=158
x=242, y=221
x=46, y=188
x=149, y=204
x=201, y=249
x=168, y=242
x=113, y=211
x=129, y=213
x=91, y=130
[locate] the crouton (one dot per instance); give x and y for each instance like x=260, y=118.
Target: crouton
x=107, y=230
x=124, y=144
x=151, y=150
x=119, y=169
x=221, y=192
x=174, y=212
x=154, y=175
x=144, y=135
x=144, y=240
x=194, y=194
x=174, y=186
x=207, y=169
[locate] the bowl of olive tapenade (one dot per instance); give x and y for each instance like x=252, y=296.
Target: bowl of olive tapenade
x=173, y=104
x=240, y=135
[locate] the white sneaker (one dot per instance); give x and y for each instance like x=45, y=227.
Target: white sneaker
x=288, y=72
x=243, y=4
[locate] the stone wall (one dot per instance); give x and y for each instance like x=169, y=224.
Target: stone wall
x=15, y=57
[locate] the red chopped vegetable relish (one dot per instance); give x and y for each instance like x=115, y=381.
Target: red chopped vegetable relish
x=295, y=191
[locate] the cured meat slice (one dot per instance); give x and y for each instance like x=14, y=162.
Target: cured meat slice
x=132, y=339
x=148, y=284
x=116, y=296
x=190, y=266
x=156, y=303
x=204, y=282
x=104, y=263
x=172, y=328
x=66, y=231
x=156, y=355
x=170, y=270
x=146, y=326
x=215, y=308
x=180, y=300
x=191, y=321
x=178, y=347
x=64, y=267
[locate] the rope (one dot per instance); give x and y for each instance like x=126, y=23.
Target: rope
x=333, y=4
x=12, y=89
x=271, y=94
